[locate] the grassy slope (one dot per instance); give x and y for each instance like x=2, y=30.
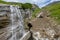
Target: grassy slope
x=54, y=10
x=36, y=12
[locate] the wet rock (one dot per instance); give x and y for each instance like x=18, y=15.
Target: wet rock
x=4, y=21
x=31, y=36
x=11, y=23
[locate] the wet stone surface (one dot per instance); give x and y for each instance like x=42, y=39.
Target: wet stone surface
x=11, y=23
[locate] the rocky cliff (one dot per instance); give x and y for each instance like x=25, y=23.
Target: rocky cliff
x=11, y=22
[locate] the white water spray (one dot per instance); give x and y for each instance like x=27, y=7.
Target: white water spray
x=16, y=26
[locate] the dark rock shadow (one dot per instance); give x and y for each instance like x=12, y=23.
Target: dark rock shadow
x=31, y=36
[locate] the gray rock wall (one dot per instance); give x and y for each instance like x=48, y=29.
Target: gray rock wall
x=11, y=23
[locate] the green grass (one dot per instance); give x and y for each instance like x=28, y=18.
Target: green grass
x=54, y=10
x=36, y=11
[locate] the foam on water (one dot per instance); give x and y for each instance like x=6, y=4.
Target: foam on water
x=16, y=26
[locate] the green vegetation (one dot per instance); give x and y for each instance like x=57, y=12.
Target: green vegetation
x=26, y=6
x=54, y=10
x=36, y=11
x=10, y=3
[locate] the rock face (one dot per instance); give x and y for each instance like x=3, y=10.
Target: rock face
x=4, y=18
x=11, y=23
x=27, y=13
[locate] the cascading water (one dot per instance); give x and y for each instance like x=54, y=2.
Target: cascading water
x=11, y=21
x=16, y=28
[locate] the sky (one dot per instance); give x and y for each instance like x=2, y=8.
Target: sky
x=40, y=3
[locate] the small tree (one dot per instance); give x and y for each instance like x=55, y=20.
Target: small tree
x=26, y=6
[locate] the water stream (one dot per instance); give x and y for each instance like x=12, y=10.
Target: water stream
x=16, y=26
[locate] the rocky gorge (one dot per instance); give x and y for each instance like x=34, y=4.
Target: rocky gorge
x=11, y=22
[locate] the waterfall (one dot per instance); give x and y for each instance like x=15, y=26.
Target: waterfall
x=11, y=21
x=16, y=26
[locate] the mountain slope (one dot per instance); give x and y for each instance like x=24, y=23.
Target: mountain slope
x=54, y=10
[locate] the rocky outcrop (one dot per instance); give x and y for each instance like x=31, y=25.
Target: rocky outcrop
x=27, y=13
x=4, y=18
x=11, y=23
